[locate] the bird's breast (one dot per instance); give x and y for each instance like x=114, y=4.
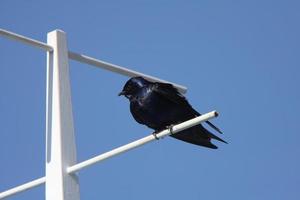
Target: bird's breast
x=153, y=111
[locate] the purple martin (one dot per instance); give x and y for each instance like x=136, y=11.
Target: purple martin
x=160, y=105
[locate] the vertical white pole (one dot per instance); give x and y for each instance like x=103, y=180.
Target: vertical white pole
x=60, y=140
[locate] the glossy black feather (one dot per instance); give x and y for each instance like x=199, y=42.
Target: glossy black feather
x=158, y=105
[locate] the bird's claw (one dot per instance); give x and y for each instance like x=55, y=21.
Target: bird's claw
x=155, y=135
x=170, y=127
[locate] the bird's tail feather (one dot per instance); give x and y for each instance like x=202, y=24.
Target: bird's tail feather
x=214, y=136
x=214, y=127
x=198, y=135
x=185, y=136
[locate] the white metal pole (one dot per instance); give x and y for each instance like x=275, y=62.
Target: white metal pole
x=175, y=129
x=119, y=69
x=87, y=59
x=60, y=140
x=23, y=187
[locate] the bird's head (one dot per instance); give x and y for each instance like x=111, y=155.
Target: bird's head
x=133, y=86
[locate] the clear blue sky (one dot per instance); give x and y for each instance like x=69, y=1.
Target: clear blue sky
x=238, y=57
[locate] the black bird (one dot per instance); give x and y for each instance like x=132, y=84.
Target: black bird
x=160, y=105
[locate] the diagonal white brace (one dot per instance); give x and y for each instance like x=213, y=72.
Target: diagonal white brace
x=23, y=187
x=175, y=129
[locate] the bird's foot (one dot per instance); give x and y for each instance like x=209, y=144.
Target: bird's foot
x=155, y=134
x=170, y=127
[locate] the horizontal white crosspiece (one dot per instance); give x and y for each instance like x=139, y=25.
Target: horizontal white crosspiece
x=61, y=180
x=88, y=60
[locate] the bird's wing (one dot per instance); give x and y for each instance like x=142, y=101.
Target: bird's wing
x=170, y=92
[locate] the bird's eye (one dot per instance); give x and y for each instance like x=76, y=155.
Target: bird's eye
x=129, y=88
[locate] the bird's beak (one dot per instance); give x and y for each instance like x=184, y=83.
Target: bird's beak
x=122, y=93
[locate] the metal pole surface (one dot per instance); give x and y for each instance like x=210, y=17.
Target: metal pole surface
x=60, y=139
